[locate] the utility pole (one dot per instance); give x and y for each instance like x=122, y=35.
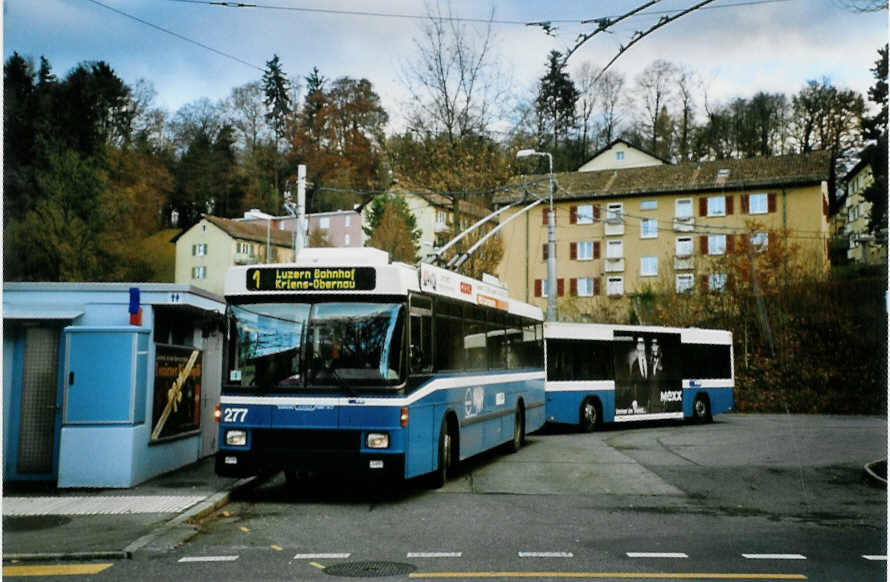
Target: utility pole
x=301, y=210
x=551, y=236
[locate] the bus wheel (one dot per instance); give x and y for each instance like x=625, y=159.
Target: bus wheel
x=518, y=431
x=590, y=415
x=701, y=409
x=440, y=475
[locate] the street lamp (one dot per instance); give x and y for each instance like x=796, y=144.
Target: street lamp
x=551, y=237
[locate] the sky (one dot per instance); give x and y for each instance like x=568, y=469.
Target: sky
x=736, y=47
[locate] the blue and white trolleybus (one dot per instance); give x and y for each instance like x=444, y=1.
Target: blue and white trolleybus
x=344, y=361
x=601, y=373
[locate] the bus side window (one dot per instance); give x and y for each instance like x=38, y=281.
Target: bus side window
x=421, y=335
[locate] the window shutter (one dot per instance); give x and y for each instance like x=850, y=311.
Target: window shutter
x=596, y=211
x=771, y=240
x=702, y=206
x=771, y=201
x=824, y=206
x=729, y=205
x=544, y=221
x=544, y=251
x=596, y=286
x=573, y=251
x=573, y=287
x=537, y=287
x=704, y=283
x=730, y=243
x=596, y=249
x=193, y=250
x=745, y=207
x=560, y=288
x=703, y=244
x=573, y=214
x=746, y=240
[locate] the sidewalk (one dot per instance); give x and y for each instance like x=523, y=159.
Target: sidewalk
x=44, y=523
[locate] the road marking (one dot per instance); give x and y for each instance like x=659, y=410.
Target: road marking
x=276, y=547
x=434, y=554
x=244, y=529
x=208, y=559
x=867, y=557
x=546, y=555
x=656, y=555
x=613, y=575
x=316, y=565
x=59, y=570
x=321, y=556
x=774, y=556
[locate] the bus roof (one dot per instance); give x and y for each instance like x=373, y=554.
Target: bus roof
x=605, y=331
x=365, y=271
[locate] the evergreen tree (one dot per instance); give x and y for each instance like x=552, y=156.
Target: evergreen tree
x=555, y=103
x=875, y=130
x=276, y=89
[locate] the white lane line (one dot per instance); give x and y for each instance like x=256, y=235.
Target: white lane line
x=774, y=556
x=546, y=555
x=656, y=555
x=435, y=554
x=875, y=558
x=321, y=556
x=208, y=559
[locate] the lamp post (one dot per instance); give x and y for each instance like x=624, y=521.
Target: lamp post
x=551, y=237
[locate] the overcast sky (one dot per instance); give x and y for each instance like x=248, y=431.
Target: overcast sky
x=738, y=47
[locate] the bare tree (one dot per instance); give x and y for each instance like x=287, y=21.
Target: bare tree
x=863, y=5
x=587, y=99
x=454, y=81
x=247, y=112
x=655, y=86
x=610, y=88
x=686, y=81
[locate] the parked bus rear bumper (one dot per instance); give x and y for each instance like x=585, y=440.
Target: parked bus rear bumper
x=360, y=464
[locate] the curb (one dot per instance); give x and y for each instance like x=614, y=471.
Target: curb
x=871, y=471
x=169, y=528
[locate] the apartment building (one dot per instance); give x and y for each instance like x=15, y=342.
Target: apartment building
x=205, y=251
x=864, y=247
x=621, y=231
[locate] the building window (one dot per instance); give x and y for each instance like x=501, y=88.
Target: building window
x=347, y=220
x=244, y=248
x=199, y=272
x=324, y=223
x=619, y=156
x=346, y=240
x=648, y=228
x=716, y=206
x=615, y=286
x=684, y=246
x=199, y=250
x=684, y=283
x=717, y=281
x=760, y=241
x=614, y=249
x=716, y=244
x=648, y=266
x=441, y=217
x=615, y=218
x=584, y=214
x=683, y=208
x=585, y=287
x=585, y=250
x=649, y=205
x=758, y=204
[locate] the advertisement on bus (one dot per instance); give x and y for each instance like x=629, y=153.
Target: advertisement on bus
x=648, y=375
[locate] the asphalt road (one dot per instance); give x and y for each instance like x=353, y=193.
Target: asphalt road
x=749, y=497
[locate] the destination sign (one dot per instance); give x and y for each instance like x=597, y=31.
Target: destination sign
x=311, y=279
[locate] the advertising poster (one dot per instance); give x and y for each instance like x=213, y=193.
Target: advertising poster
x=647, y=375
x=177, y=399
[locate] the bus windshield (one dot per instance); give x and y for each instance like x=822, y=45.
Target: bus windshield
x=291, y=346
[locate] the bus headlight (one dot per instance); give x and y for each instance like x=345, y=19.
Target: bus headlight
x=377, y=440
x=236, y=438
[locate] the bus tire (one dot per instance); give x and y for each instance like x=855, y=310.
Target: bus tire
x=701, y=409
x=590, y=415
x=445, y=455
x=518, y=430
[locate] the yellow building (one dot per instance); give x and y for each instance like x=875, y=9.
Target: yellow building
x=205, y=251
x=863, y=246
x=662, y=227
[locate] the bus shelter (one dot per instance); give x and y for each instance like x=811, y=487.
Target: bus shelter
x=108, y=384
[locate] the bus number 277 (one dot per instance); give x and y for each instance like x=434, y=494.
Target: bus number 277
x=234, y=414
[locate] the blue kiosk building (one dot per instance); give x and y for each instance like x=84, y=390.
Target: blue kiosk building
x=108, y=384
